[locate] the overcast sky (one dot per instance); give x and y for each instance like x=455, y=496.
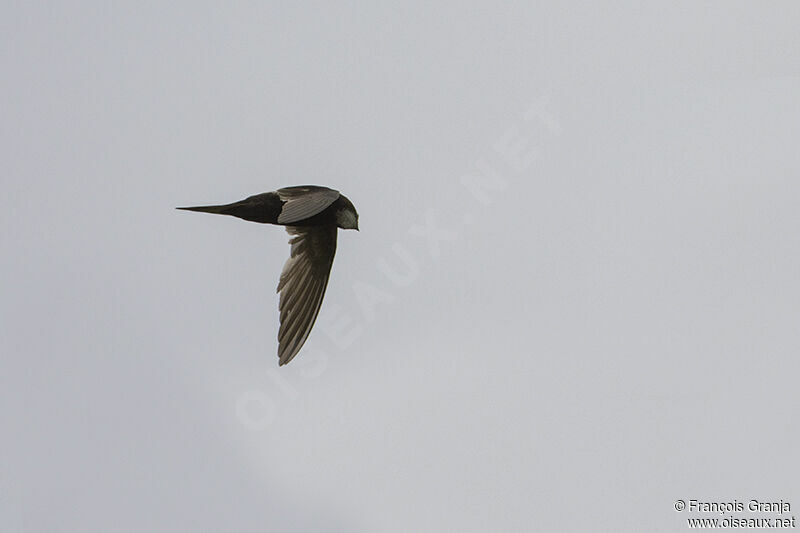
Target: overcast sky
x=573, y=300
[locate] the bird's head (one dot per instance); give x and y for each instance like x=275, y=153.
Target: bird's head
x=346, y=215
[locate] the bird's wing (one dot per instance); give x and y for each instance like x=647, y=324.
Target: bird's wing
x=304, y=202
x=302, y=285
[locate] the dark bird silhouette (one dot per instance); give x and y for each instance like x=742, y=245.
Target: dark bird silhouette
x=311, y=215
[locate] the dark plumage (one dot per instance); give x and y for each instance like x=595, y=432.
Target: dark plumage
x=311, y=215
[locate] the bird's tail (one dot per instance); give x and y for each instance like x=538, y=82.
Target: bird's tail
x=263, y=208
x=216, y=209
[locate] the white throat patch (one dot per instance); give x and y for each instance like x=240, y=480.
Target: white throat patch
x=346, y=219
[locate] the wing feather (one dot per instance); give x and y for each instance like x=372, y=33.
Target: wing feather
x=304, y=202
x=302, y=285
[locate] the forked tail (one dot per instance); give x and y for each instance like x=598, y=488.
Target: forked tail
x=216, y=209
x=263, y=208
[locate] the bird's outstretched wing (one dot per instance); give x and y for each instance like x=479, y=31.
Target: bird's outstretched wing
x=304, y=202
x=302, y=285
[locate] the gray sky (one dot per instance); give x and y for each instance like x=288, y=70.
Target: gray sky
x=573, y=299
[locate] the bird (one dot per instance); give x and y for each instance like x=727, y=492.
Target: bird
x=312, y=216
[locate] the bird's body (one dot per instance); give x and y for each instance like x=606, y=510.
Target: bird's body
x=312, y=215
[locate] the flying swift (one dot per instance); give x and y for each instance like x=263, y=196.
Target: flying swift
x=312, y=216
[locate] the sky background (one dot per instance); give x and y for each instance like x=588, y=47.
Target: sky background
x=573, y=300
